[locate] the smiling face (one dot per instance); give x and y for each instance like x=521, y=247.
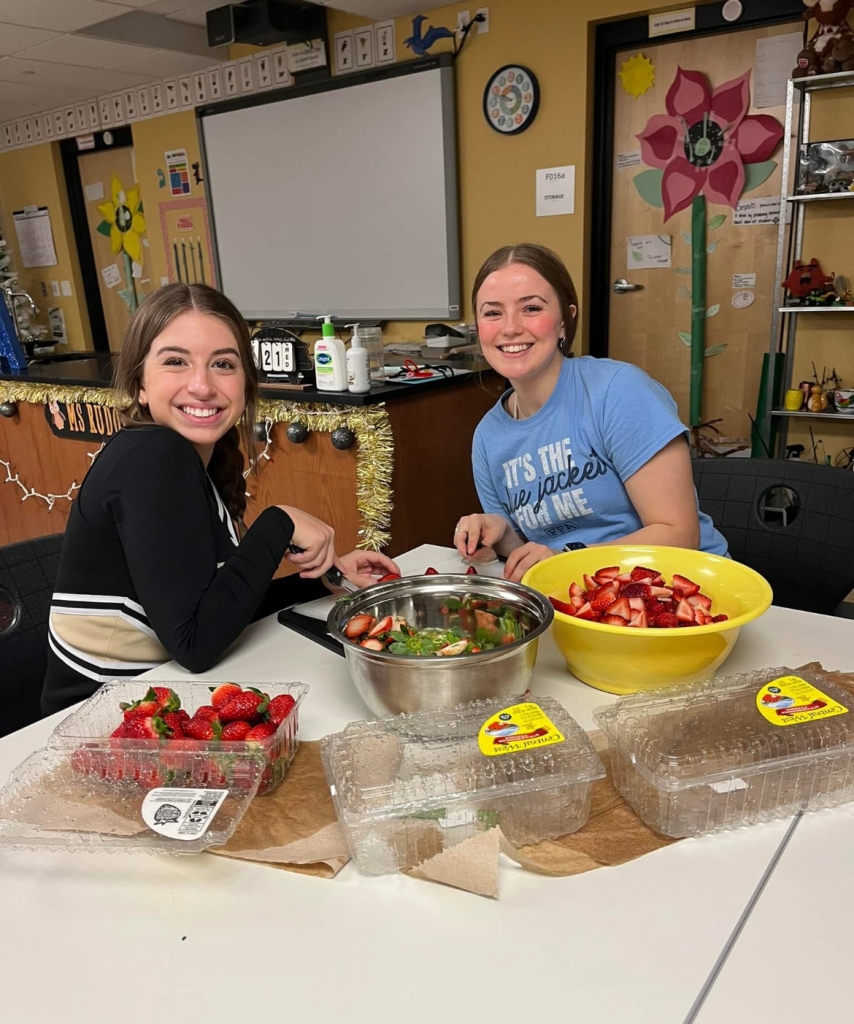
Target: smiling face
x=193, y=380
x=519, y=322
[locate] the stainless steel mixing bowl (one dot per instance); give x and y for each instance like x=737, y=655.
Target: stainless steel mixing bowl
x=394, y=683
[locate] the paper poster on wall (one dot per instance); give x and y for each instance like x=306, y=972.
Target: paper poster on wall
x=105, y=111
x=555, y=191
x=215, y=84
x=246, y=67
x=753, y=212
x=384, y=46
x=230, y=83
x=626, y=160
x=648, y=252
x=344, y=52
x=281, y=75
x=364, y=40
x=170, y=94
x=35, y=237
x=200, y=87
x=157, y=98
x=185, y=92
x=143, y=102
x=94, y=191
x=671, y=22
x=263, y=71
x=178, y=171
x=741, y=300
x=189, y=253
x=744, y=280
x=301, y=57
x=775, y=58
x=111, y=275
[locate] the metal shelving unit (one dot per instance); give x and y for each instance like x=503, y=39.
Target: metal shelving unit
x=789, y=248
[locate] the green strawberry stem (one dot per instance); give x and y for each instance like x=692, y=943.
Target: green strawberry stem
x=698, y=306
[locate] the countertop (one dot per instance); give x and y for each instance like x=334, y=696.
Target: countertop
x=95, y=370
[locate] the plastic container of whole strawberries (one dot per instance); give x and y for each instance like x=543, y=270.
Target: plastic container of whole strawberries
x=91, y=725
x=92, y=790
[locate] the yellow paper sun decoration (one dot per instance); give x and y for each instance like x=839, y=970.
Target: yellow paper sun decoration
x=637, y=75
x=125, y=220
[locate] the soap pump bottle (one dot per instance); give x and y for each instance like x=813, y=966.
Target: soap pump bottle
x=358, y=368
x=330, y=356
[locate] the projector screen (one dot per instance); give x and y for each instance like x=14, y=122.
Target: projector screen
x=338, y=198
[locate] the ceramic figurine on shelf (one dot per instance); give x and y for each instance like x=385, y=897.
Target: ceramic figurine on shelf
x=842, y=286
x=817, y=401
x=804, y=279
x=831, y=47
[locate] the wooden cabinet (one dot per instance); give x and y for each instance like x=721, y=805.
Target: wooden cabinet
x=431, y=478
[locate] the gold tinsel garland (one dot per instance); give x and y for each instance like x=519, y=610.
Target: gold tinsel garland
x=370, y=424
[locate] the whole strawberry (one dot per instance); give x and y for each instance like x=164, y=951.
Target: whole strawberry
x=261, y=732
x=151, y=727
x=172, y=720
x=247, y=706
x=235, y=731
x=206, y=712
x=203, y=729
x=221, y=695
x=157, y=698
x=280, y=707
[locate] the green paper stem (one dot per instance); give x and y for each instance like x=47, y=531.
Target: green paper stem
x=698, y=305
x=134, y=302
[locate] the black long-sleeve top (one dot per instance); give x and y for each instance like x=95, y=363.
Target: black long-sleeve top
x=152, y=569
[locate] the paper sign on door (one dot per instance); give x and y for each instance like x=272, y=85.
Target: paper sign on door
x=648, y=252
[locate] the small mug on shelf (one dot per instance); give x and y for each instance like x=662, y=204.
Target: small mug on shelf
x=794, y=400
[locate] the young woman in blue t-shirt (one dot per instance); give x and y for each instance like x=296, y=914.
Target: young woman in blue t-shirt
x=580, y=451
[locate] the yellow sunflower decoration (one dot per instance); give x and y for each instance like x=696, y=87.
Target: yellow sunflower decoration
x=123, y=222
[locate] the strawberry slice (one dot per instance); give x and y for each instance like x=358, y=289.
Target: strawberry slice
x=621, y=607
x=359, y=624
x=643, y=590
x=686, y=586
x=383, y=626
x=611, y=573
x=685, y=613
x=639, y=621
x=700, y=601
x=471, y=571
x=639, y=573
x=561, y=606
x=585, y=612
x=666, y=620
x=578, y=602
x=430, y=571
x=661, y=591
x=575, y=590
x=590, y=583
x=613, y=620
x=720, y=618
x=637, y=604
x=655, y=607
x=603, y=600
x=372, y=644
x=624, y=577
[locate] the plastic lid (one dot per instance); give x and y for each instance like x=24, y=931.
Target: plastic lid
x=418, y=762
x=121, y=800
x=327, y=329
x=681, y=736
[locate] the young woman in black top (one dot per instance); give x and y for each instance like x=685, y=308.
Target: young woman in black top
x=153, y=566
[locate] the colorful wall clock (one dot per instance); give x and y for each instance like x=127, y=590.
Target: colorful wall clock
x=511, y=99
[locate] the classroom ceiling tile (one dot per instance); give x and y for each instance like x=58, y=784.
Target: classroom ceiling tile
x=171, y=6
x=379, y=10
x=16, y=37
x=196, y=15
x=83, y=51
x=59, y=15
x=40, y=74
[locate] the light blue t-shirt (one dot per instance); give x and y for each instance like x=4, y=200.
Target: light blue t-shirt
x=559, y=475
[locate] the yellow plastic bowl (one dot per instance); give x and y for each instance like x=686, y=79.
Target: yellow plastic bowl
x=620, y=659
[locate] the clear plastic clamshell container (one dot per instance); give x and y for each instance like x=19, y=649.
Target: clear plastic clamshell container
x=407, y=787
x=733, y=751
x=89, y=791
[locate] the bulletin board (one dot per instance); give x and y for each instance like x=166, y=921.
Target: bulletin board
x=186, y=233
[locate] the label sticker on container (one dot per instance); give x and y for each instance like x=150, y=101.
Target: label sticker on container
x=791, y=700
x=182, y=814
x=521, y=727
x=728, y=785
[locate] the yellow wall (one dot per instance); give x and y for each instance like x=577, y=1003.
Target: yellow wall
x=34, y=177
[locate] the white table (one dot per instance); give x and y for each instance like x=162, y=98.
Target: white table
x=633, y=943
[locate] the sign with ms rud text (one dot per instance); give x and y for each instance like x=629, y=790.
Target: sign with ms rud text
x=82, y=421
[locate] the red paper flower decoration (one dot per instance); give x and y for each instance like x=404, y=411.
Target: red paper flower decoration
x=704, y=140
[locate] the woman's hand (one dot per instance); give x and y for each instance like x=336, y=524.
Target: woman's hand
x=316, y=542
x=365, y=567
x=521, y=559
x=481, y=530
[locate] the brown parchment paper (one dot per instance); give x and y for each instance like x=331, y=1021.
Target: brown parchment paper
x=295, y=827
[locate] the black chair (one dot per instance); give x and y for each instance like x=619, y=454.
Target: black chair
x=791, y=521
x=27, y=575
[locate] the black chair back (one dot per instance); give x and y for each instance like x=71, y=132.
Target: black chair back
x=27, y=575
x=791, y=521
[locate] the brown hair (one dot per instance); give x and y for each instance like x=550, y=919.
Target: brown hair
x=549, y=266
x=152, y=318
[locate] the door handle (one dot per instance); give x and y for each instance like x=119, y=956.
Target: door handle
x=622, y=285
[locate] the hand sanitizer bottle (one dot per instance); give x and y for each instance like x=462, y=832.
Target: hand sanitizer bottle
x=358, y=370
x=330, y=359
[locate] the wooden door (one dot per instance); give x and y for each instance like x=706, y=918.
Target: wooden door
x=652, y=327
x=116, y=219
